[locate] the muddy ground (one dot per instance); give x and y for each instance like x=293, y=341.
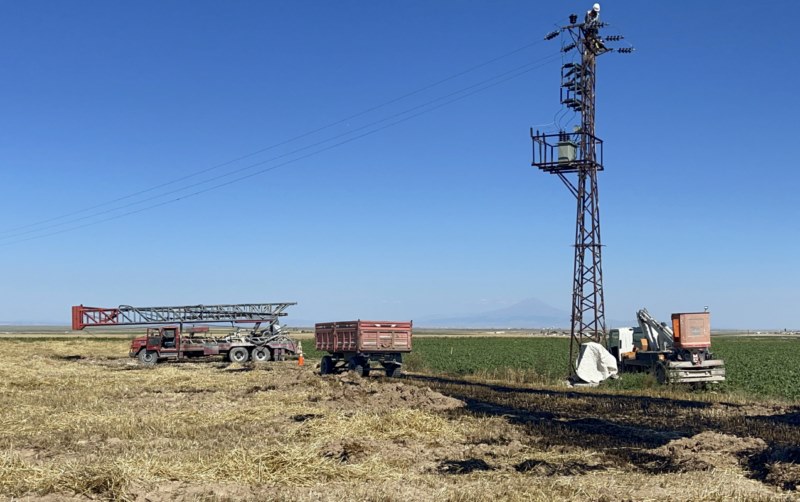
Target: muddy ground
x=82, y=426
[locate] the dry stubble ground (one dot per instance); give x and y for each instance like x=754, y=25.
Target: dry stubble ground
x=79, y=419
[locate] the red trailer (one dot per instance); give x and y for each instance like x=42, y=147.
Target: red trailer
x=353, y=344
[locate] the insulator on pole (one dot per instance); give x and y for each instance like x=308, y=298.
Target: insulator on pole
x=552, y=35
x=625, y=50
x=568, y=48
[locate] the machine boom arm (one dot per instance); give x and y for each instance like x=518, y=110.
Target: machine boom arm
x=125, y=315
x=659, y=337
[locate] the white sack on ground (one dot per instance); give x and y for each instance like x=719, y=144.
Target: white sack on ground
x=595, y=363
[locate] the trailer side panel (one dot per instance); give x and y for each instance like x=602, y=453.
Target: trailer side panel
x=364, y=336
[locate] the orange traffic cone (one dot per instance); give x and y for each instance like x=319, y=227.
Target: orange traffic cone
x=300, y=360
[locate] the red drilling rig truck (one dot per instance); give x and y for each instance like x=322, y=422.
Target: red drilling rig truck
x=173, y=334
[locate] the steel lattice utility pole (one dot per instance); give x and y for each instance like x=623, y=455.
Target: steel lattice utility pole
x=580, y=152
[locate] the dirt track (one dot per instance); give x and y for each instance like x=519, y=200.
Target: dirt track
x=77, y=426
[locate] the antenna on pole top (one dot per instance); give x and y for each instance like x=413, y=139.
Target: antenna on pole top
x=576, y=157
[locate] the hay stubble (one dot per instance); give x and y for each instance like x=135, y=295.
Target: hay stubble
x=97, y=425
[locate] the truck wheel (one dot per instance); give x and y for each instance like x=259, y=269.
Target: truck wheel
x=394, y=371
x=148, y=357
x=326, y=365
x=660, y=372
x=260, y=354
x=361, y=370
x=238, y=355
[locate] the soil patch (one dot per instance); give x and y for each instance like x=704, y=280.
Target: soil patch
x=386, y=394
x=709, y=450
x=779, y=466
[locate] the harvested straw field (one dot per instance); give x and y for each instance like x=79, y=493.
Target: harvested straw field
x=81, y=420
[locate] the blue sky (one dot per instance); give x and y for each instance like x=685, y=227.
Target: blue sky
x=438, y=215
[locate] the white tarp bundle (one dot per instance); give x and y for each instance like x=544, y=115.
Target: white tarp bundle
x=595, y=363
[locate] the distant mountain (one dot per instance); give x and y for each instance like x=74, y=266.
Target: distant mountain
x=529, y=313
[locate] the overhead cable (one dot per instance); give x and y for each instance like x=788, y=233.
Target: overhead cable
x=518, y=73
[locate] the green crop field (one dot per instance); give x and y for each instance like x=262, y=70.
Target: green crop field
x=539, y=360
x=758, y=367
x=761, y=366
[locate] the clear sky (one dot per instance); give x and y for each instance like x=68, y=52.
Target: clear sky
x=124, y=107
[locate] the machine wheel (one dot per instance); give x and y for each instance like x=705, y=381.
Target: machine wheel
x=238, y=355
x=359, y=366
x=148, y=357
x=261, y=354
x=326, y=365
x=660, y=372
x=394, y=371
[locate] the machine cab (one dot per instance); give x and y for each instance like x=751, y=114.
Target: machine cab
x=623, y=342
x=164, y=340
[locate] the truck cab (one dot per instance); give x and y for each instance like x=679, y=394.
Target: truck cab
x=169, y=342
x=623, y=342
x=163, y=341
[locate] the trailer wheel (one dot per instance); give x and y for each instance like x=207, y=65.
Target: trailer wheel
x=394, y=371
x=238, y=355
x=261, y=354
x=326, y=365
x=148, y=357
x=359, y=365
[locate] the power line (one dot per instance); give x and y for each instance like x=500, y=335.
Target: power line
x=13, y=231
x=499, y=78
x=516, y=74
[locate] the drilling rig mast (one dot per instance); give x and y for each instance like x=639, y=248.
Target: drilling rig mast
x=580, y=152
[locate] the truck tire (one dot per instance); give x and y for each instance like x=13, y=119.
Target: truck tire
x=238, y=355
x=148, y=357
x=261, y=354
x=394, y=371
x=361, y=370
x=660, y=373
x=326, y=365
